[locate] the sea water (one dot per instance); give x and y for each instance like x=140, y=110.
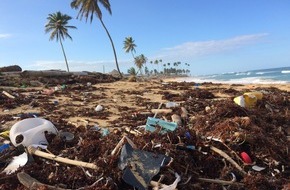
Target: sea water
x=279, y=75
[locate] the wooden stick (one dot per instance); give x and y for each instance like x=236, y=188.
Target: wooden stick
x=118, y=146
x=156, y=111
x=33, y=150
x=8, y=95
x=223, y=182
x=160, y=105
x=228, y=158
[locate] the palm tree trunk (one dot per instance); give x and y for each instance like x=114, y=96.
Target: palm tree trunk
x=64, y=54
x=115, y=55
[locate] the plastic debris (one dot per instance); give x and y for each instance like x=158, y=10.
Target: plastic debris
x=246, y=158
x=17, y=162
x=139, y=167
x=171, y=104
x=3, y=147
x=5, y=134
x=166, y=126
x=31, y=131
x=258, y=168
x=249, y=99
x=99, y=108
x=174, y=184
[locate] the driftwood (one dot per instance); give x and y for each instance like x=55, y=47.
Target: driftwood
x=8, y=95
x=156, y=111
x=33, y=150
x=52, y=73
x=228, y=158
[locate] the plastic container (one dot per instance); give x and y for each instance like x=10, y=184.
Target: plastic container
x=31, y=131
x=248, y=99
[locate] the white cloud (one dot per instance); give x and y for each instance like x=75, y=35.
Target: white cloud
x=98, y=66
x=2, y=36
x=196, y=49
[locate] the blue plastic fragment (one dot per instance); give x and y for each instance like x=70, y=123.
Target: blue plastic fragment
x=166, y=126
x=3, y=147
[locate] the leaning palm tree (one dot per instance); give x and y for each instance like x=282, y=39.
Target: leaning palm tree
x=129, y=45
x=58, y=26
x=89, y=8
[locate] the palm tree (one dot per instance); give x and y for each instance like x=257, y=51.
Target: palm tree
x=58, y=26
x=89, y=8
x=129, y=45
x=140, y=61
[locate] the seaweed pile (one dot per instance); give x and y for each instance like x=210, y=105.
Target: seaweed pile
x=207, y=149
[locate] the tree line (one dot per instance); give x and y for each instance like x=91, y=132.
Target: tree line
x=58, y=26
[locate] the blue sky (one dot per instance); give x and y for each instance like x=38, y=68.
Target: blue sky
x=212, y=36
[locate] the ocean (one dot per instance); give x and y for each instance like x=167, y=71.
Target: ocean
x=279, y=75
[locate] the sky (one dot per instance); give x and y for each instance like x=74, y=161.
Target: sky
x=211, y=36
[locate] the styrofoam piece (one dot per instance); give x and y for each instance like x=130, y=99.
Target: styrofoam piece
x=17, y=162
x=31, y=131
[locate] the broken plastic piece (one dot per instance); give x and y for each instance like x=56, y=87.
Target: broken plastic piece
x=166, y=126
x=248, y=99
x=140, y=166
x=3, y=147
x=246, y=158
x=258, y=168
x=17, y=162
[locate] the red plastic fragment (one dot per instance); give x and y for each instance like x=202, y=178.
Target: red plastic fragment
x=246, y=158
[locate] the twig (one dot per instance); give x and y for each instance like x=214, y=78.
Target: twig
x=228, y=158
x=223, y=182
x=8, y=95
x=160, y=105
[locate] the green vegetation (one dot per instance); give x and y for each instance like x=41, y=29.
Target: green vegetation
x=58, y=27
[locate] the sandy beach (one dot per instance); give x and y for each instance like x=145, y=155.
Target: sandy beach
x=210, y=109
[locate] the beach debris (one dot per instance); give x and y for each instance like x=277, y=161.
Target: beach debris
x=246, y=158
x=139, y=167
x=66, y=136
x=99, y=108
x=8, y=95
x=258, y=168
x=171, y=104
x=31, y=131
x=4, y=147
x=230, y=128
x=249, y=99
x=17, y=161
x=152, y=123
x=176, y=119
x=158, y=111
x=35, y=151
x=5, y=134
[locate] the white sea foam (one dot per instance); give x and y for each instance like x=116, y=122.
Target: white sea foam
x=260, y=73
x=285, y=71
x=246, y=80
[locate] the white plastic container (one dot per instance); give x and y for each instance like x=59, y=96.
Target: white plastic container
x=31, y=131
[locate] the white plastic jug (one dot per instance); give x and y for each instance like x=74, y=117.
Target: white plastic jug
x=31, y=131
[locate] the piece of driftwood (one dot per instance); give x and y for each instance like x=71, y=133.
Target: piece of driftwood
x=8, y=95
x=34, y=151
x=222, y=182
x=157, y=111
x=228, y=158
